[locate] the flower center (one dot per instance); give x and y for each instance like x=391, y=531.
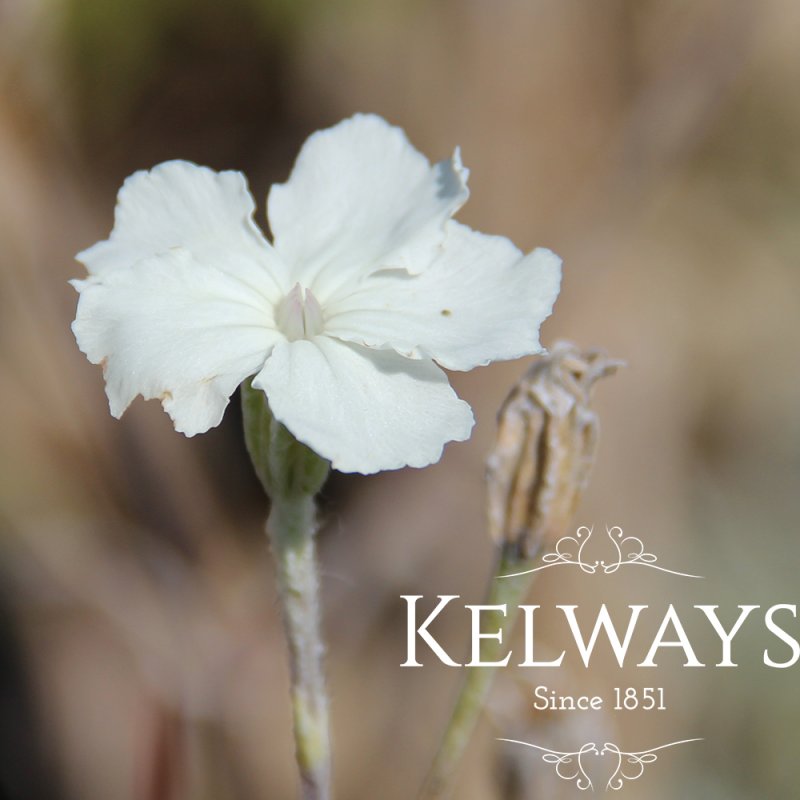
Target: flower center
x=299, y=315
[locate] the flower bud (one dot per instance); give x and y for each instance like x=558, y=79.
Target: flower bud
x=544, y=450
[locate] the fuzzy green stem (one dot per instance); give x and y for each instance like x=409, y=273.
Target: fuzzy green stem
x=292, y=475
x=478, y=680
x=291, y=527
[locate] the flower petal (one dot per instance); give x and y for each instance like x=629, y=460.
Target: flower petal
x=364, y=410
x=177, y=330
x=179, y=204
x=480, y=301
x=359, y=198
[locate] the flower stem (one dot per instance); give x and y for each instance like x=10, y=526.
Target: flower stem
x=478, y=680
x=292, y=475
x=291, y=528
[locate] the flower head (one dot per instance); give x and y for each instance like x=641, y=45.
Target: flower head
x=367, y=287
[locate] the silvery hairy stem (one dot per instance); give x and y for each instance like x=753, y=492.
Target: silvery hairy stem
x=292, y=475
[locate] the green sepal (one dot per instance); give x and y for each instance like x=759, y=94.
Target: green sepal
x=286, y=468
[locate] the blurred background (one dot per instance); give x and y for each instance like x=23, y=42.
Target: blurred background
x=654, y=146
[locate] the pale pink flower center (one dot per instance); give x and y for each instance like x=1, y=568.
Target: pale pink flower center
x=299, y=315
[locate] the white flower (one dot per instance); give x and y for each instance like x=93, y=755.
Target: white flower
x=368, y=286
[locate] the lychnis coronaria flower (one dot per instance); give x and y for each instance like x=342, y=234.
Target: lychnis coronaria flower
x=368, y=288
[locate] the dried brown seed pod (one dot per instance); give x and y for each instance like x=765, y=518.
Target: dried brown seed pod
x=544, y=451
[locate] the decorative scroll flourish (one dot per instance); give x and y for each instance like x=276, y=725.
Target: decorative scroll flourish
x=627, y=766
x=569, y=766
x=627, y=551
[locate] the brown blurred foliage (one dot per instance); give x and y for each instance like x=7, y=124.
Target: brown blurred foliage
x=652, y=145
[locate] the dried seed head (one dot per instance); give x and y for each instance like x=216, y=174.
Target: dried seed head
x=544, y=450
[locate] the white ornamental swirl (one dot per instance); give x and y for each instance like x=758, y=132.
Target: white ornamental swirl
x=629, y=767
x=570, y=762
x=633, y=762
x=628, y=550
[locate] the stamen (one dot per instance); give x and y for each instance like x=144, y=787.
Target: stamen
x=299, y=314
